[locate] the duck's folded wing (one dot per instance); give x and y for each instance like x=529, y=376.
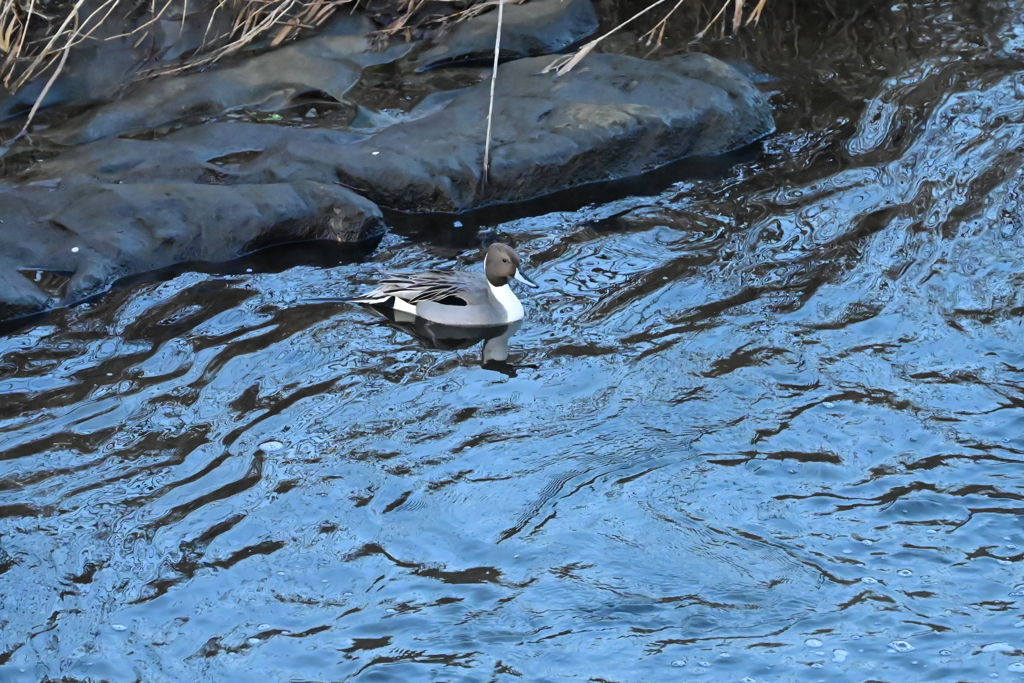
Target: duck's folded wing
x=448, y=287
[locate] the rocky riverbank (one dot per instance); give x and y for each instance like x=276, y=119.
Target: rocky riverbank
x=280, y=147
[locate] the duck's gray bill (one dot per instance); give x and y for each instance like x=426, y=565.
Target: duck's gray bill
x=521, y=276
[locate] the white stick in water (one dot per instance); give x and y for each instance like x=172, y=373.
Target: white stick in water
x=490, y=102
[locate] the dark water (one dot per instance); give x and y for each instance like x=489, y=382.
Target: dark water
x=773, y=430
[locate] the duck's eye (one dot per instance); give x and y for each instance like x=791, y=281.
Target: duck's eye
x=504, y=260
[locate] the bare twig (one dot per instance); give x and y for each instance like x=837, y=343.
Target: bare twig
x=657, y=33
x=49, y=83
x=700, y=34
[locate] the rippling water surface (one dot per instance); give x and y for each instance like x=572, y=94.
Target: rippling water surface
x=767, y=426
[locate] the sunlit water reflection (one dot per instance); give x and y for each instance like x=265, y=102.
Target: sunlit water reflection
x=766, y=427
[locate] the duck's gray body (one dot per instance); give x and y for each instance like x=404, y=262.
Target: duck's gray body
x=435, y=335
x=454, y=297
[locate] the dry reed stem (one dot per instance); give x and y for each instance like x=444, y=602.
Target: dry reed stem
x=737, y=16
x=659, y=28
x=401, y=24
x=24, y=31
x=255, y=22
x=700, y=34
x=47, y=51
x=755, y=14
x=49, y=84
x=490, y=101
x=565, y=63
x=149, y=23
x=209, y=25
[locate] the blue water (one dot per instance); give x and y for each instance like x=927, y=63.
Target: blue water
x=765, y=426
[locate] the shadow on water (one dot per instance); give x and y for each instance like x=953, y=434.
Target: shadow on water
x=493, y=339
x=461, y=230
x=770, y=427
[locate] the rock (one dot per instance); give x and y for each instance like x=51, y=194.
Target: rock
x=97, y=233
x=212, y=153
x=538, y=27
x=328, y=64
x=18, y=296
x=95, y=71
x=611, y=117
x=98, y=69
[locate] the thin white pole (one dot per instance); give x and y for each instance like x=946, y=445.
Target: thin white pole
x=494, y=79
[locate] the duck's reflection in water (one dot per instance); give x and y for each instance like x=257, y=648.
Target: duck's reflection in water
x=432, y=335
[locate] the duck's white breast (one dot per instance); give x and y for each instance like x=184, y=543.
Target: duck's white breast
x=508, y=300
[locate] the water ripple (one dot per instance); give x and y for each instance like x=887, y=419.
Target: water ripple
x=764, y=427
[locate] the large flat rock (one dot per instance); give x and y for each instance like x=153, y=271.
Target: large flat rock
x=611, y=117
x=91, y=234
x=115, y=206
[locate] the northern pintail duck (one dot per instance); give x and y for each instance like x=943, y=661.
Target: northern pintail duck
x=456, y=297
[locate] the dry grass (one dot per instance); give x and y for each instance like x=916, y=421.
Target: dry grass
x=32, y=42
x=253, y=20
x=409, y=18
x=656, y=35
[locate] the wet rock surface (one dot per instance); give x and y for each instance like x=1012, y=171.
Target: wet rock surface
x=615, y=116
x=93, y=234
x=100, y=68
x=539, y=27
x=119, y=206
